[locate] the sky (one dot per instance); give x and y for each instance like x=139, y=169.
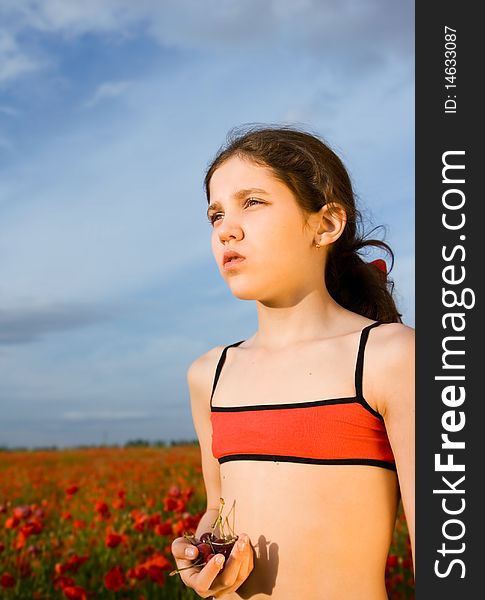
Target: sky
x=110, y=112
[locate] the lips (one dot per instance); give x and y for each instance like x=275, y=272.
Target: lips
x=231, y=258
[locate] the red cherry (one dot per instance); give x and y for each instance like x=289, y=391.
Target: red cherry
x=204, y=550
x=206, y=537
x=226, y=550
x=224, y=546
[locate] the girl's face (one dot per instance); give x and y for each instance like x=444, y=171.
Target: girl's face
x=257, y=216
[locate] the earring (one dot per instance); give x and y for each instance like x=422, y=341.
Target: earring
x=317, y=246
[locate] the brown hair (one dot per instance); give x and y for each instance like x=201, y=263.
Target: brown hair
x=317, y=176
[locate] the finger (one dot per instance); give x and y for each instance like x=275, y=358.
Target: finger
x=182, y=549
x=247, y=564
x=201, y=581
x=236, y=569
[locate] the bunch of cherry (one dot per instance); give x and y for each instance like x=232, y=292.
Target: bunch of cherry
x=210, y=544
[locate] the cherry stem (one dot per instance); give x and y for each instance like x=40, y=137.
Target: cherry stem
x=175, y=571
x=219, y=522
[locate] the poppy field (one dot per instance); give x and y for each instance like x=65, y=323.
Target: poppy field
x=95, y=523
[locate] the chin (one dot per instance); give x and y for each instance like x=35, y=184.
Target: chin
x=244, y=292
x=243, y=295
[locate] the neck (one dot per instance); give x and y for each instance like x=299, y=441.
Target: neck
x=299, y=317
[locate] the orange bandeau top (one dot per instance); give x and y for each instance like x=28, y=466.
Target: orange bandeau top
x=334, y=431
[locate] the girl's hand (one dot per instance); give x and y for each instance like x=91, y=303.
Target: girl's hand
x=208, y=581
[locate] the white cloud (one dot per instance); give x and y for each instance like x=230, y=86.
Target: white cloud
x=317, y=28
x=106, y=91
x=14, y=63
x=71, y=17
x=105, y=415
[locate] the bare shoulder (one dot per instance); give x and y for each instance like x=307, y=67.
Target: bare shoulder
x=396, y=340
x=200, y=373
x=389, y=364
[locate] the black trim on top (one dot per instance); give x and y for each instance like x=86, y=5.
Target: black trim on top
x=359, y=368
x=220, y=364
x=311, y=461
x=307, y=404
x=359, y=365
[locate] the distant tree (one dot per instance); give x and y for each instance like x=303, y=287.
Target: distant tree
x=137, y=443
x=184, y=443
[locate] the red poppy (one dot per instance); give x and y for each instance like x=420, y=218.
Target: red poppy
x=72, y=564
x=170, y=504
x=153, y=567
x=101, y=508
x=63, y=581
x=114, y=539
x=32, y=527
x=75, y=592
x=188, y=493
x=139, y=572
x=71, y=490
x=114, y=579
x=392, y=561
x=20, y=541
x=164, y=528
x=154, y=520
x=12, y=522
x=22, y=512
x=188, y=523
x=7, y=580
x=156, y=567
x=140, y=521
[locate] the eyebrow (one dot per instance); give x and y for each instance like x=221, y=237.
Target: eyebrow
x=238, y=196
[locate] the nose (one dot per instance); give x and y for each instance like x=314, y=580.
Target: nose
x=229, y=229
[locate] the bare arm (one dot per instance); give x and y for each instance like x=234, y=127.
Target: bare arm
x=208, y=581
x=200, y=378
x=394, y=370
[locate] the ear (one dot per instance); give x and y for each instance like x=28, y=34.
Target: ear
x=330, y=223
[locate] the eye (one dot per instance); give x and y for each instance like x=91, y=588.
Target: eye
x=214, y=217
x=250, y=200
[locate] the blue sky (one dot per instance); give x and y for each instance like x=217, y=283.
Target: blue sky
x=110, y=111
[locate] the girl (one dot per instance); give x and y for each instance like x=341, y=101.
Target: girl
x=305, y=427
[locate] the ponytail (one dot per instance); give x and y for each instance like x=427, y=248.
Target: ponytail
x=360, y=286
